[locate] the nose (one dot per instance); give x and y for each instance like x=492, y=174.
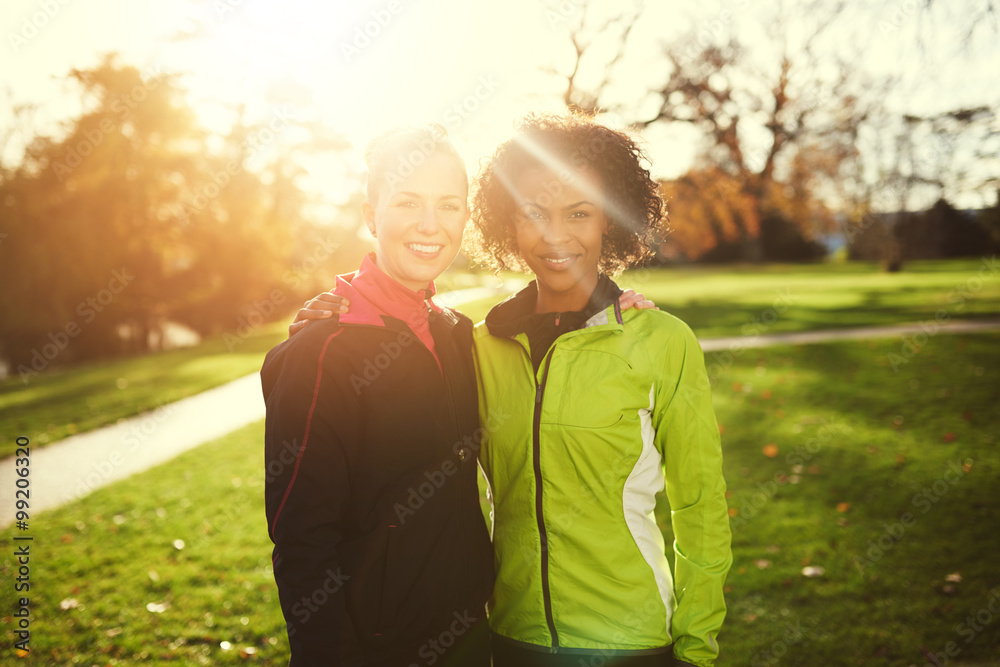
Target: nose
x=428, y=223
x=555, y=232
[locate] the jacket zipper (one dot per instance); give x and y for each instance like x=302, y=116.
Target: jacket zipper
x=542, y=535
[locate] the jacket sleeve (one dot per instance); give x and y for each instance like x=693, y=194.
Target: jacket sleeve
x=688, y=437
x=311, y=425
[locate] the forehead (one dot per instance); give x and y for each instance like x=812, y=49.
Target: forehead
x=541, y=184
x=438, y=174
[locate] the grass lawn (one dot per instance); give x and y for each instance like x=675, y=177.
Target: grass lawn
x=730, y=301
x=886, y=480
x=61, y=402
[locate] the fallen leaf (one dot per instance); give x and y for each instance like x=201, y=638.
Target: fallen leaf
x=178, y=544
x=69, y=603
x=770, y=450
x=814, y=470
x=66, y=539
x=843, y=507
x=967, y=415
x=248, y=652
x=813, y=571
x=157, y=607
x=733, y=511
x=762, y=563
x=948, y=437
x=737, y=386
x=954, y=577
x=766, y=394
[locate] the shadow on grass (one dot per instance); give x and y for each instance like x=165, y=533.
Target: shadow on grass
x=884, y=479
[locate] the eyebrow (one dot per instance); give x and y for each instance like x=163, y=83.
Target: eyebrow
x=577, y=204
x=407, y=193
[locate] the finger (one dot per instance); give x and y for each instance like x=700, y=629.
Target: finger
x=646, y=304
x=329, y=297
x=296, y=327
x=313, y=314
x=627, y=293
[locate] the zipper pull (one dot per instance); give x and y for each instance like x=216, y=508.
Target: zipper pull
x=538, y=394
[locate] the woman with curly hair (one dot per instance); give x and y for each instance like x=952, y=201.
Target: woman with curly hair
x=599, y=403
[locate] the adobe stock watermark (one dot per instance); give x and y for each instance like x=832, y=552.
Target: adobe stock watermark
x=971, y=628
x=453, y=117
x=34, y=23
x=924, y=500
x=331, y=585
x=773, y=654
x=714, y=29
x=251, y=146
x=911, y=346
x=92, y=138
x=88, y=310
x=432, y=650
x=896, y=15
x=261, y=310
x=379, y=20
x=797, y=457
x=755, y=327
x=464, y=449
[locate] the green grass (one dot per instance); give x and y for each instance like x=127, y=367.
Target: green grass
x=860, y=447
x=61, y=402
x=864, y=435
x=728, y=301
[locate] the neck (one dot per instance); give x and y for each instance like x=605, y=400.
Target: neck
x=571, y=300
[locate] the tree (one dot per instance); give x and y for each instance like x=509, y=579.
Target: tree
x=761, y=114
x=128, y=221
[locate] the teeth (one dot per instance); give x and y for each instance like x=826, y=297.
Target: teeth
x=558, y=261
x=424, y=248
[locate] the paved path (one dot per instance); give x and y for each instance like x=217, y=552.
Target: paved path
x=72, y=468
x=826, y=335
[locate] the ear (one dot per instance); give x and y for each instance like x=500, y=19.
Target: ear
x=369, y=212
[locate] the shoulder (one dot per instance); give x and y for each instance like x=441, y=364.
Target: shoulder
x=659, y=324
x=308, y=346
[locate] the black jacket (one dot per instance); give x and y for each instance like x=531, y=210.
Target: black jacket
x=371, y=491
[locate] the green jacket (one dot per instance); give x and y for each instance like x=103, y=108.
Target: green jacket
x=574, y=455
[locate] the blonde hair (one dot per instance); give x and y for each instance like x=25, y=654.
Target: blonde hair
x=396, y=153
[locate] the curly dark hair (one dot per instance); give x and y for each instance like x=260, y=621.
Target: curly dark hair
x=572, y=141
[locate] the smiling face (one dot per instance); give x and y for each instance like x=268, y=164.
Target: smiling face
x=418, y=220
x=559, y=225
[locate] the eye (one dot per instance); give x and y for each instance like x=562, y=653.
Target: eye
x=450, y=206
x=531, y=214
x=406, y=203
x=580, y=214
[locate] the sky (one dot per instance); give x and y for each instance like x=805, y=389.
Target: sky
x=363, y=66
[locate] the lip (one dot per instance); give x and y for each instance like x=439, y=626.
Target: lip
x=558, y=261
x=425, y=250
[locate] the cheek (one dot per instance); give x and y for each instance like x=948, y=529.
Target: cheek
x=524, y=238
